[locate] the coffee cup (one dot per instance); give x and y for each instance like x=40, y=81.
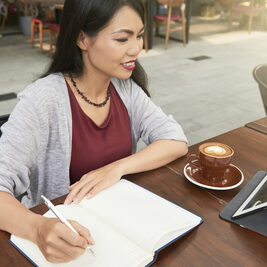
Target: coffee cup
x=212, y=160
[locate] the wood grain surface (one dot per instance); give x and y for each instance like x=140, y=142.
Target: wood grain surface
x=250, y=156
x=259, y=125
x=215, y=242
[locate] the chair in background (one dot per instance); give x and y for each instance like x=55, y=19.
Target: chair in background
x=260, y=75
x=145, y=46
x=3, y=119
x=40, y=25
x=171, y=18
x=55, y=28
x=249, y=8
x=54, y=31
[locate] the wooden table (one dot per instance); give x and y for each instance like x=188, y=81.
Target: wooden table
x=259, y=125
x=215, y=242
x=250, y=155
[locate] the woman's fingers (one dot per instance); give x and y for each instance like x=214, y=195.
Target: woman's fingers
x=56, y=256
x=70, y=237
x=83, y=192
x=57, y=242
x=95, y=190
x=72, y=196
x=77, y=191
x=84, y=232
x=62, y=251
x=93, y=182
x=71, y=186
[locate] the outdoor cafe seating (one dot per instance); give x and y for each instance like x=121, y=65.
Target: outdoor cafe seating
x=40, y=26
x=171, y=18
x=260, y=75
x=217, y=241
x=250, y=9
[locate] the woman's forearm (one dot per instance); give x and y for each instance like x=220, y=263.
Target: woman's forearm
x=15, y=218
x=153, y=156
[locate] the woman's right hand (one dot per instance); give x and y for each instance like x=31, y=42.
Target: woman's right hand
x=58, y=243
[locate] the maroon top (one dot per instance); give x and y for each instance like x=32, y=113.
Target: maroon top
x=95, y=146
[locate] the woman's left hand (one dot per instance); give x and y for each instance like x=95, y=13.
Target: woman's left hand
x=93, y=182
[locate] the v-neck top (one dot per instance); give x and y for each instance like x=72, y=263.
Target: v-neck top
x=38, y=161
x=95, y=146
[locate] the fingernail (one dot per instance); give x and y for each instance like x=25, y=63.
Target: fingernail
x=92, y=242
x=75, y=200
x=88, y=196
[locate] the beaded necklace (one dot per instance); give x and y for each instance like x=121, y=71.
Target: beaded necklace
x=87, y=99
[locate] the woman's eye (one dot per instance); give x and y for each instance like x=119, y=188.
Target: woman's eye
x=140, y=36
x=122, y=40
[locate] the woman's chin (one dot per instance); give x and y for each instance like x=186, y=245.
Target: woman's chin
x=124, y=76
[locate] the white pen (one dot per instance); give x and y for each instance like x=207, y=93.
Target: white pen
x=50, y=205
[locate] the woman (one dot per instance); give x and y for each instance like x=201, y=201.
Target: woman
x=79, y=124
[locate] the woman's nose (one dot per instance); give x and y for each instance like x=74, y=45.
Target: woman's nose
x=135, y=48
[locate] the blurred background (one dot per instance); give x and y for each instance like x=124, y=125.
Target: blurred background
x=203, y=80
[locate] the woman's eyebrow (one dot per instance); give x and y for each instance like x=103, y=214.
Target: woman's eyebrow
x=128, y=31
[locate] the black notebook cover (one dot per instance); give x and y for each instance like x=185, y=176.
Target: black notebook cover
x=256, y=222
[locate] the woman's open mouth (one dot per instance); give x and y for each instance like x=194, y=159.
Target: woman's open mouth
x=130, y=65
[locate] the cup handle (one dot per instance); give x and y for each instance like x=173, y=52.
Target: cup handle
x=189, y=160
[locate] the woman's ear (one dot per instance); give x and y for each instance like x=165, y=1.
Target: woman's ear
x=82, y=41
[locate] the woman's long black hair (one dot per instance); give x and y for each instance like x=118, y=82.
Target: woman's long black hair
x=89, y=16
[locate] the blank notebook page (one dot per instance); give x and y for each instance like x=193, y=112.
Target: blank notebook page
x=139, y=214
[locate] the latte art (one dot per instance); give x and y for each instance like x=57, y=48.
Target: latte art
x=215, y=150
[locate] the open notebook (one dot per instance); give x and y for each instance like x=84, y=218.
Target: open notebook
x=129, y=224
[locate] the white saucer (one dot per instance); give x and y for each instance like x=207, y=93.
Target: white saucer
x=233, y=178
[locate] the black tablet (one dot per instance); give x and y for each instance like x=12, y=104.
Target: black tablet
x=256, y=201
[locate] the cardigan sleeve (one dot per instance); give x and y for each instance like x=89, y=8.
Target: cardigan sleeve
x=18, y=146
x=149, y=122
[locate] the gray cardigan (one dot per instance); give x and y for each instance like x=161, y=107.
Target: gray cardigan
x=35, y=147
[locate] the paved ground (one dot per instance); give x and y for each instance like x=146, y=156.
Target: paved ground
x=206, y=97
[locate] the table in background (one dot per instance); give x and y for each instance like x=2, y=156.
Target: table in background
x=150, y=4
x=259, y=125
x=215, y=242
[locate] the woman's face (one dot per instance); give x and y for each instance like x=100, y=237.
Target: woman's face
x=113, y=52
